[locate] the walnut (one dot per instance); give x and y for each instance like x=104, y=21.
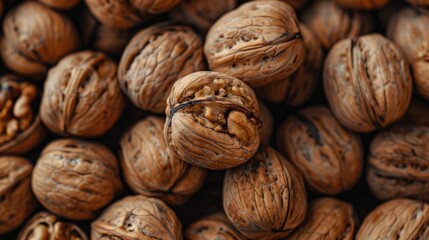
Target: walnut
x=47, y=226
x=259, y=43
x=155, y=58
x=130, y=13
x=362, y=4
x=36, y=37
x=265, y=198
x=266, y=131
x=399, y=219
x=216, y=226
x=331, y=23
x=367, y=82
x=75, y=178
x=137, y=217
x=327, y=219
x=16, y=200
x=61, y=4
x=151, y=170
x=329, y=156
x=299, y=87
x=212, y=120
x=82, y=96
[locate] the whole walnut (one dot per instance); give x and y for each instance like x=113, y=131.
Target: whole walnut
x=329, y=156
x=399, y=219
x=419, y=3
x=36, y=37
x=44, y=225
x=128, y=14
x=299, y=87
x=82, y=96
x=16, y=200
x=215, y=226
x=61, y=4
x=75, y=178
x=212, y=120
x=137, y=217
x=327, y=219
x=154, y=59
x=367, y=82
x=259, y=43
x=266, y=131
x=362, y=4
x=332, y=23
x=150, y=169
x=265, y=198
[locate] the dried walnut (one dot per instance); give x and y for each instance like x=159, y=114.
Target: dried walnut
x=61, y=4
x=362, y=4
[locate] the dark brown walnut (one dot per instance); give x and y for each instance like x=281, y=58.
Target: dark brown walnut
x=299, y=87
x=154, y=59
x=266, y=131
x=75, y=178
x=327, y=219
x=329, y=156
x=127, y=14
x=400, y=219
x=419, y=3
x=82, y=96
x=362, y=4
x=259, y=43
x=417, y=114
x=150, y=169
x=265, y=198
x=215, y=226
x=16, y=200
x=61, y=4
x=212, y=120
x=35, y=38
x=137, y=217
x=332, y=23
x=44, y=226
x=367, y=82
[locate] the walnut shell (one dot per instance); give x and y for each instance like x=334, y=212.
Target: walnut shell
x=154, y=59
x=36, y=37
x=75, y=178
x=137, y=217
x=367, y=82
x=259, y=43
x=327, y=219
x=329, y=156
x=332, y=23
x=82, y=96
x=399, y=219
x=362, y=4
x=61, y=4
x=150, y=169
x=16, y=200
x=419, y=3
x=265, y=198
x=47, y=226
x=212, y=120
x=266, y=131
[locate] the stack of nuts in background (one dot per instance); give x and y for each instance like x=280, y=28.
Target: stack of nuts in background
x=214, y=119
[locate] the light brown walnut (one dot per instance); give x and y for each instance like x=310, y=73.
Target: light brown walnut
x=362, y=4
x=61, y=4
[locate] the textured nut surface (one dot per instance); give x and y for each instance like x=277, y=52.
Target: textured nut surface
x=266, y=131
x=47, y=226
x=399, y=219
x=329, y=156
x=259, y=43
x=82, y=96
x=75, y=178
x=150, y=169
x=137, y=217
x=61, y=4
x=362, y=4
x=36, y=37
x=367, y=82
x=16, y=200
x=327, y=219
x=212, y=120
x=154, y=59
x=265, y=198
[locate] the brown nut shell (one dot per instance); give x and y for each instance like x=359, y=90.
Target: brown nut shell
x=16, y=199
x=265, y=198
x=212, y=120
x=75, y=178
x=137, y=217
x=82, y=96
x=362, y=4
x=47, y=226
x=154, y=59
x=61, y=4
x=367, y=83
x=259, y=43
x=329, y=156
